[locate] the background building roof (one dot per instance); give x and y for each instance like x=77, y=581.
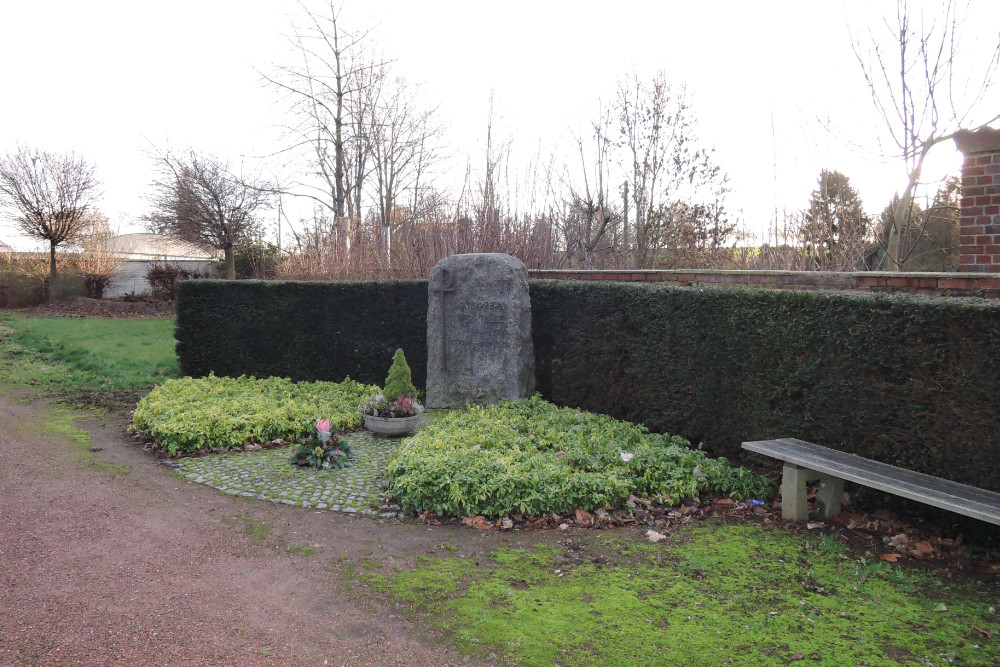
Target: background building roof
x=145, y=246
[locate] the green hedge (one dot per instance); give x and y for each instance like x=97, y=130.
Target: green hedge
x=301, y=330
x=908, y=380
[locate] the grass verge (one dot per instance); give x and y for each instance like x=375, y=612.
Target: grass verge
x=715, y=594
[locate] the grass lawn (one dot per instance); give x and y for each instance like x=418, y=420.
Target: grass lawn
x=714, y=594
x=107, y=362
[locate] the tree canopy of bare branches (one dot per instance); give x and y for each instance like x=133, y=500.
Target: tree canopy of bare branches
x=200, y=199
x=923, y=96
x=370, y=145
x=49, y=196
x=677, y=191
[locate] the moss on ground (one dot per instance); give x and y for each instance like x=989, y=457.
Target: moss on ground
x=261, y=534
x=60, y=424
x=714, y=594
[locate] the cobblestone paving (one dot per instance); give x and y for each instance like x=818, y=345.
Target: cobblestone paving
x=267, y=474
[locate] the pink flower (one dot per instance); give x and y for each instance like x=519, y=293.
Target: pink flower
x=323, y=425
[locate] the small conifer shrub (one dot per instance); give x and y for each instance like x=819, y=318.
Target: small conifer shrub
x=399, y=382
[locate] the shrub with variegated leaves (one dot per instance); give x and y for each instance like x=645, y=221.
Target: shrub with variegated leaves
x=194, y=414
x=530, y=457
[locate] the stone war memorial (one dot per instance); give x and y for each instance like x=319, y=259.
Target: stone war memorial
x=479, y=348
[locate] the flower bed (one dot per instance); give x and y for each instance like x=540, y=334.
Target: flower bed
x=202, y=414
x=530, y=457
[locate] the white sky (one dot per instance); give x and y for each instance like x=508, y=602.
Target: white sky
x=104, y=78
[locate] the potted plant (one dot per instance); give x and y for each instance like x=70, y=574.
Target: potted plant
x=323, y=451
x=394, y=410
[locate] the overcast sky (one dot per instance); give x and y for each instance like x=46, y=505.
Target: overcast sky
x=775, y=85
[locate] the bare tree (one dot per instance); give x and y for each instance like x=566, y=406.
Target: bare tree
x=664, y=168
x=922, y=96
x=402, y=144
x=326, y=90
x=200, y=199
x=590, y=218
x=49, y=196
x=98, y=259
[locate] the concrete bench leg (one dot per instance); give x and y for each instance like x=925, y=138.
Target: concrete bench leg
x=793, y=493
x=794, y=506
x=831, y=496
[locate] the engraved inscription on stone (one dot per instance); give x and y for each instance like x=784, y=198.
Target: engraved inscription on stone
x=478, y=331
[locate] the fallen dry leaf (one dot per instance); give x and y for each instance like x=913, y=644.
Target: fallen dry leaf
x=655, y=536
x=725, y=503
x=891, y=558
x=925, y=547
x=479, y=522
x=797, y=656
x=984, y=633
x=585, y=518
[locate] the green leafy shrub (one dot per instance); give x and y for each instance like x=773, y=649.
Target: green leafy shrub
x=193, y=414
x=399, y=382
x=530, y=457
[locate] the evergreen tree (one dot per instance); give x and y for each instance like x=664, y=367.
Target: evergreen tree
x=399, y=382
x=836, y=228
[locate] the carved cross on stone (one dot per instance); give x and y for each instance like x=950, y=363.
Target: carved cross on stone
x=447, y=285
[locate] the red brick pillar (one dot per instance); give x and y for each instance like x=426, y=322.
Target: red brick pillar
x=980, y=249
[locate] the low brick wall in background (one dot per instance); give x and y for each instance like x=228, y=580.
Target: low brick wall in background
x=983, y=285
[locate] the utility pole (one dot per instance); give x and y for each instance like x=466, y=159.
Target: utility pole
x=625, y=225
x=279, y=227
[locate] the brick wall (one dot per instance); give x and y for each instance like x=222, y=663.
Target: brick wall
x=984, y=285
x=980, y=242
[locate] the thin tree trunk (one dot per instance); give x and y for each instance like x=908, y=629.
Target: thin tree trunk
x=53, y=276
x=338, y=145
x=230, y=263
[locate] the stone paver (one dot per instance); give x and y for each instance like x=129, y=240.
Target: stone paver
x=267, y=474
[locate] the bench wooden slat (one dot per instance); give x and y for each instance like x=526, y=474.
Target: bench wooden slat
x=946, y=494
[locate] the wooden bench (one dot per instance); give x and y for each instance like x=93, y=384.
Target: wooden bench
x=806, y=462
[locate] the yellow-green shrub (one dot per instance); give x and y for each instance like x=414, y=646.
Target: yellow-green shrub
x=530, y=457
x=192, y=414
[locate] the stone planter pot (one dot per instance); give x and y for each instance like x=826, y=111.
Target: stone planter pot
x=391, y=425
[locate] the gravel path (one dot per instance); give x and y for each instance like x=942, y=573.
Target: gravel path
x=116, y=560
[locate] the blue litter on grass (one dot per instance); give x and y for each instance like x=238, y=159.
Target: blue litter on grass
x=755, y=503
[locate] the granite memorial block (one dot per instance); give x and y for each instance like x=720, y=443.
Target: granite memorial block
x=479, y=348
